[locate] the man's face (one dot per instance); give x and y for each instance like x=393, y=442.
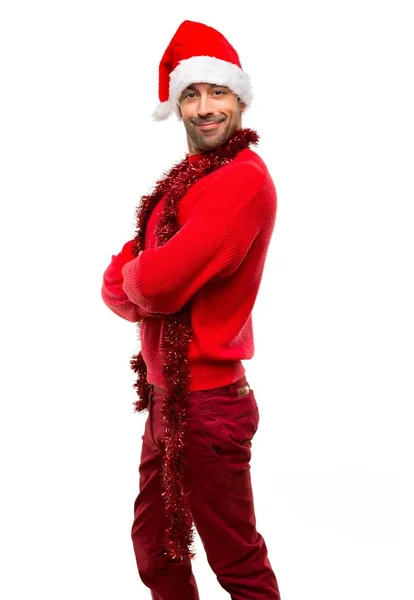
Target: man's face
x=211, y=114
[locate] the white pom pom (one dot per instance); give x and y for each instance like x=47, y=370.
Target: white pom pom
x=163, y=111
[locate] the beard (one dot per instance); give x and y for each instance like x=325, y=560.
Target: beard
x=210, y=139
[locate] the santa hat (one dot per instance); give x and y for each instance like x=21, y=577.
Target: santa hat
x=198, y=53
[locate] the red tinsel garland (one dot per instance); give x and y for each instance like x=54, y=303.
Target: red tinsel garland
x=179, y=535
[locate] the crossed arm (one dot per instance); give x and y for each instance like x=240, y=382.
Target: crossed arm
x=112, y=293
x=211, y=244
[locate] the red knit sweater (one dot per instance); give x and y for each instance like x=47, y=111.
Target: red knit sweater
x=216, y=259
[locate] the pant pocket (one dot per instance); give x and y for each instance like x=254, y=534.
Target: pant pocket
x=245, y=406
x=212, y=429
x=242, y=419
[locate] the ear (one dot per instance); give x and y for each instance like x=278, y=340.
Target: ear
x=242, y=106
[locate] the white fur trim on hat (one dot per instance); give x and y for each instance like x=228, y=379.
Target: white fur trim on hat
x=203, y=69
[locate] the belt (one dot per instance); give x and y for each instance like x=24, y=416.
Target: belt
x=239, y=388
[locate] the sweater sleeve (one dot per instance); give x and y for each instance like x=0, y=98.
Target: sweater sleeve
x=211, y=244
x=111, y=291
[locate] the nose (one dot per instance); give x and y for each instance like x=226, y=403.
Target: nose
x=204, y=106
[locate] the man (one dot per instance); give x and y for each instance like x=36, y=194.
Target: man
x=189, y=279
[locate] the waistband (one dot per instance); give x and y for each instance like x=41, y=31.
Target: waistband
x=237, y=388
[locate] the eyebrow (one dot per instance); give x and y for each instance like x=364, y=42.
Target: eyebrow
x=191, y=87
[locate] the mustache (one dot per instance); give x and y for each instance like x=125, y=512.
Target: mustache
x=205, y=121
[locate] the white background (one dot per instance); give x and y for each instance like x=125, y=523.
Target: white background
x=333, y=367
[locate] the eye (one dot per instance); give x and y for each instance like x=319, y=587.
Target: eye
x=218, y=92
x=188, y=94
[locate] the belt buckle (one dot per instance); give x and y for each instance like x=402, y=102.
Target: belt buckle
x=243, y=391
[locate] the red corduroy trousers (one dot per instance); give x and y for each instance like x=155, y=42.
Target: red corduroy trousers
x=222, y=423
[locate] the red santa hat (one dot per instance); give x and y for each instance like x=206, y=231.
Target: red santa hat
x=198, y=53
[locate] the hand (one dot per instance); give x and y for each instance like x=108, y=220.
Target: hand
x=127, y=253
x=113, y=274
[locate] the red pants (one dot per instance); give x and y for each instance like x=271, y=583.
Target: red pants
x=221, y=426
